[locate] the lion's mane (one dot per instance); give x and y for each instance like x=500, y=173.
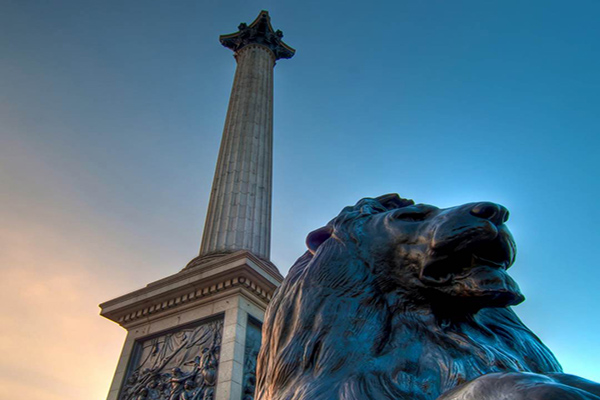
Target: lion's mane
x=332, y=331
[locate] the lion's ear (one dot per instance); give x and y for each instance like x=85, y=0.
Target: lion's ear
x=317, y=237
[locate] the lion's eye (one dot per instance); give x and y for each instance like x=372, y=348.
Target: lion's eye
x=411, y=216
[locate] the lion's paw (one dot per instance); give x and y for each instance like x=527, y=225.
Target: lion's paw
x=522, y=386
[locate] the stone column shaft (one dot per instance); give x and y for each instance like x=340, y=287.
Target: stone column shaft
x=239, y=211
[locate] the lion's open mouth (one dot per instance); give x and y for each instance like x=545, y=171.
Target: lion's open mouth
x=492, y=255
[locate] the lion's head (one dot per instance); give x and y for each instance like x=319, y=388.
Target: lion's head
x=454, y=258
x=397, y=299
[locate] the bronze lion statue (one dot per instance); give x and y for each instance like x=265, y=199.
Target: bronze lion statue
x=396, y=300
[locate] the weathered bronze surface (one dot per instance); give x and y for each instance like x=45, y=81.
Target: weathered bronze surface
x=396, y=300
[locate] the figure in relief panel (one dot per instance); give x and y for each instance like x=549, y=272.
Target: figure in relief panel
x=253, y=340
x=176, y=366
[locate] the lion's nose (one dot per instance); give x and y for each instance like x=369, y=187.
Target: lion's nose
x=491, y=211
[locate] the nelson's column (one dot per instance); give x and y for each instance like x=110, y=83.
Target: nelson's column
x=196, y=334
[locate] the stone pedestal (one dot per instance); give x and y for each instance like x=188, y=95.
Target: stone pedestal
x=196, y=320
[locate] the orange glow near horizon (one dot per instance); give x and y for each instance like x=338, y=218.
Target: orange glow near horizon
x=54, y=344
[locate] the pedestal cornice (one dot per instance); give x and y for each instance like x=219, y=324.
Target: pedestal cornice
x=235, y=272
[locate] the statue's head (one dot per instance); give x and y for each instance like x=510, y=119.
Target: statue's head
x=189, y=384
x=450, y=259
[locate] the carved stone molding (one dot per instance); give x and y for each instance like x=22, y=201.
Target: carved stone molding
x=239, y=271
x=196, y=295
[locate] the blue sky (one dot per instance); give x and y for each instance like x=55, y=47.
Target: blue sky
x=111, y=118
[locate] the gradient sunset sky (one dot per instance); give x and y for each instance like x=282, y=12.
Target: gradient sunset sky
x=112, y=113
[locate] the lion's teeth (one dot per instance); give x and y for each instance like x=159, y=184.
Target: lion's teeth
x=487, y=262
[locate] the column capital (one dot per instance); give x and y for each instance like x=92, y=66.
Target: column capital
x=258, y=32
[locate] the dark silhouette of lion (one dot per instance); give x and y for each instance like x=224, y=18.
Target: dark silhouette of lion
x=396, y=300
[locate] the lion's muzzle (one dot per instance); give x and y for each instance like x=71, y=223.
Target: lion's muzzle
x=470, y=251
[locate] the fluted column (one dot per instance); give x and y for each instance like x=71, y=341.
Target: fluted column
x=239, y=211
